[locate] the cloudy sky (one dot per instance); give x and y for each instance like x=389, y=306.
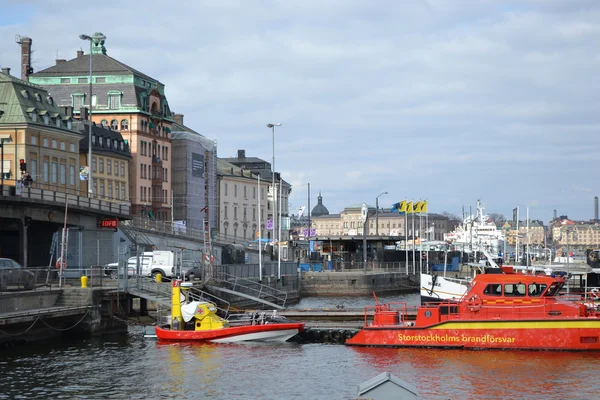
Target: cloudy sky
x=450, y=101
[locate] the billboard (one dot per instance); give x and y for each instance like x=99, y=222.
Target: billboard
x=197, y=165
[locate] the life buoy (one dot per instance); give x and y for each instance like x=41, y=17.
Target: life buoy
x=595, y=293
x=474, y=303
x=60, y=264
x=208, y=258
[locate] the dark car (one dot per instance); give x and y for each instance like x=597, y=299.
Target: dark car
x=13, y=274
x=191, y=269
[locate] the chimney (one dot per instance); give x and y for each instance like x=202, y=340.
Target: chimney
x=241, y=154
x=69, y=111
x=26, y=69
x=178, y=118
x=79, y=53
x=83, y=114
x=596, y=208
x=554, y=214
x=6, y=70
x=60, y=61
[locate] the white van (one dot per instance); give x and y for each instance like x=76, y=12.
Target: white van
x=161, y=262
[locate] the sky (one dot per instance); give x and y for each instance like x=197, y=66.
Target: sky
x=445, y=100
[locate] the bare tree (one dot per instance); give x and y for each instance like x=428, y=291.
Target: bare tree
x=496, y=217
x=453, y=220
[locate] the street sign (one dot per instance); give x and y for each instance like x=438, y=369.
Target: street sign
x=269, y=224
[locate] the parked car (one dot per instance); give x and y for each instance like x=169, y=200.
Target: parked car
x=13, y=274
x=192, y=269
x=112, y=270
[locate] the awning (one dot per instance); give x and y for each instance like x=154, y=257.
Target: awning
x=6, y=166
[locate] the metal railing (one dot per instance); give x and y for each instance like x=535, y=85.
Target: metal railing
x=26, y=280
x=58, y=194
x=253, y=288
x=359, y=266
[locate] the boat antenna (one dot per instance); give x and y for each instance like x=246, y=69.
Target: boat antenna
x=376, y=299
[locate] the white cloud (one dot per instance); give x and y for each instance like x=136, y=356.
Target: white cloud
x=439, y=99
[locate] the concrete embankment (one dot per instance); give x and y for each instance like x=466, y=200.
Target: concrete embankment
x=356, y=283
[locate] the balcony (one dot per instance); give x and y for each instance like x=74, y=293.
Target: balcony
x=156, y=161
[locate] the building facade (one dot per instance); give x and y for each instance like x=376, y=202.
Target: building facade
x=129, y=102
x=37, y=133
x=110, y=162
x=194, y=177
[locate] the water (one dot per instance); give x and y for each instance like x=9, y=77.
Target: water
x=131, y=367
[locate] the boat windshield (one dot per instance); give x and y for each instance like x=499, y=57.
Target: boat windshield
x=554, y=289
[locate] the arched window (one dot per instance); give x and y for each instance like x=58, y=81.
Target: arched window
x=124, y=125
x=114, y=125
x=104, y=123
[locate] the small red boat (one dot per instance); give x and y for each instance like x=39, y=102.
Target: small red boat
x=501, y=310
x=198, y=321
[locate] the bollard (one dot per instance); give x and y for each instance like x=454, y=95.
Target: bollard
x=84, y=281
x=158, y=278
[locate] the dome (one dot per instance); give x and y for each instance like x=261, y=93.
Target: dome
x=319, y=209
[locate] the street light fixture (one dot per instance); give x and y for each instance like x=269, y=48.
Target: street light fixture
x=377, y=213
x=98, y=37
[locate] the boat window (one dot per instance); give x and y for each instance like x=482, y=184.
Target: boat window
x=536, y=290
x=493, y=289
x=514, y=289
x=553, y=290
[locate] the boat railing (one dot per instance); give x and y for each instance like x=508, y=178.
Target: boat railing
x=252, y=318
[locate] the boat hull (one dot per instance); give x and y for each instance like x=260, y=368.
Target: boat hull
x=435, y=288
x=279, y=332
x=582, y=334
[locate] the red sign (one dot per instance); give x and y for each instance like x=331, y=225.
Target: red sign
x=108, y=223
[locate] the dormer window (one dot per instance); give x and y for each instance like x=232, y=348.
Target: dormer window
x=101, y=141
x=94, y=139
x=115, y=144
x=122, y=147
x=34, y=116
x=58, y=122
x=50, y=100
x=77, y=101
x=69, y=124
x=108, y=143
x=25, y=94
x=46, y=120
x=114, y=100
x=38, y=97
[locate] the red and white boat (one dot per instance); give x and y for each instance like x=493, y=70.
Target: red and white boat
x=198, y=321
x=501, y=310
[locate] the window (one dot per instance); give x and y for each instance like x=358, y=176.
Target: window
x=93, y=139
x=225, y=193
x=122, y=169
x=114, y=100
x=46, y=120
x=63, y=174
x=142, y=171
x=536, y=290
x=38, y=97
x=110, y=190
x=101, y=80
x=45, y=171
x=82, y=80
x=122, y=147
x=101, y=165
x=94, y=100
x=33, y=169
x=54, y=172
x=114, y=125
x=95, y=187
x=123, y=197
x=69, y=124
x=254, y=193
x=77, y=101
x=234, y=190
x=253, y=214
x=72, y=175
x=166, y=153
x=63, y=146
x=108, y=143
x=101, y=141
x=142, y=193
x=65, y=80
x=234, y=212
x=34, y=116
x=93, y=164
x=50, y=100
x=225, y=216
x=72, y=148
x=34, y=140
x=108, y=167
x=493, y=290
x=115, y=144
x=54, y=144
x=57, y=122
x=102, y=189
x=104, y=123
x=124, y=125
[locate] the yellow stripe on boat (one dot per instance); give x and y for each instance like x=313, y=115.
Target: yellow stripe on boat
x=561, y=324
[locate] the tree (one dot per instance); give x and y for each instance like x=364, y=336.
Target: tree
x=453, y=220
x=497, y=218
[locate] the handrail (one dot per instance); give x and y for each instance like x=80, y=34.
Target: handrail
x=264, y=292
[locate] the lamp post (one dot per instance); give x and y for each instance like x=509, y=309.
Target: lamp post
x=272, y=126
x=98, y=37
x=3, y=139
x=377, y=213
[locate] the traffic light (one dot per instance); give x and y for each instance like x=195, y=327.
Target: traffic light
x=22, y=165
x=143, y=210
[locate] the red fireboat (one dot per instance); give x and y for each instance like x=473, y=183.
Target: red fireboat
x=501, y=310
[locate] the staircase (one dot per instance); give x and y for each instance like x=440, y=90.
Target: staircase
x=136, y=235
x=246, y=289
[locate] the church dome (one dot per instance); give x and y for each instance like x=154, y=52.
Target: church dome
x=319, y=209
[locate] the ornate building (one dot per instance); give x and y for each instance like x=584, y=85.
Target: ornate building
x=128, y=101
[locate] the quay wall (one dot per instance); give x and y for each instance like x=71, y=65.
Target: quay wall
x=356, y=283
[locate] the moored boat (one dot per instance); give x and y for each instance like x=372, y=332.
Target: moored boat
x=198, y=321
x=501, y=310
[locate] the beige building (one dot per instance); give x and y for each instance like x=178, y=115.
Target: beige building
x=534, y=235
x=577, y=234
x=238, y=197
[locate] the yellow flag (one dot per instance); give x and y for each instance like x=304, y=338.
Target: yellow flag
x=424, y=207
x=402, y=208
x=417, y=207
x=409, y=208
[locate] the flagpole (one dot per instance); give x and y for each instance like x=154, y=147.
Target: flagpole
x=517, y=240
x=527, y=236
x=427, y=230
x=259, y=237
x=413, y=242
x=420, y=241
x=406, y=239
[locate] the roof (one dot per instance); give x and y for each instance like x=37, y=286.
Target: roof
x=101, y=64
x=182, y=132
x=380, y=379
x=19, y=99
x=107, y=134
x=226, y=168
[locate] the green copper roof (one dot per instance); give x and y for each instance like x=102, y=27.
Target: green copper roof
x=20, y=99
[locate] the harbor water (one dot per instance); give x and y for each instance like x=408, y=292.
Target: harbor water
x=132, y=367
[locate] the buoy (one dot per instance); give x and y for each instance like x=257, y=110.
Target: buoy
x=337, y=336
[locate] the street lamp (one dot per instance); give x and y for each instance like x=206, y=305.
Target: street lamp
x=98, y=37
x=272, y=126
x=3, y=139
x=377, y=213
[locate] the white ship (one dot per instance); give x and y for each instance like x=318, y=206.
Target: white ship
x=477, y=232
